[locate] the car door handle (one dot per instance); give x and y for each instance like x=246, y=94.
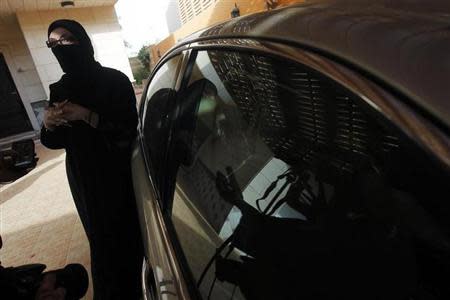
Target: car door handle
x=148, y=281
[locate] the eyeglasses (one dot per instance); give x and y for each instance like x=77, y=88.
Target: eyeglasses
x=61, y=42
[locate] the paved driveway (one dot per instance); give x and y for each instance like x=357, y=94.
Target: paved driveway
x=38, y=220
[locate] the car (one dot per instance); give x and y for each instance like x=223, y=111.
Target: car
x=300, y=153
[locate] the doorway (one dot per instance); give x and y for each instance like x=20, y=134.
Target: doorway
x=13, y=116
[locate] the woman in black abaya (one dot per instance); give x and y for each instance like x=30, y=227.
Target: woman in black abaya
x=92, y=115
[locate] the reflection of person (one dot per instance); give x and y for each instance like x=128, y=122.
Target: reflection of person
x=92, y=114
x=339, y=259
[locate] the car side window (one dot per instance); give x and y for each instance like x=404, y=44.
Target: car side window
x=289, y=186
x=159, y=100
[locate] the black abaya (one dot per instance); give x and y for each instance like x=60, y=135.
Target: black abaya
x=99, y=174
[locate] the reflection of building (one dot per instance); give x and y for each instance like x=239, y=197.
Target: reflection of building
x=28, y=67
x=198, y=14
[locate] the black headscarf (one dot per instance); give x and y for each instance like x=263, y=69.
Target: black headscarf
x=75, y=60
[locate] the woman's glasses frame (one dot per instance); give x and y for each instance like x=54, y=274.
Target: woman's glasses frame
x=64, y=41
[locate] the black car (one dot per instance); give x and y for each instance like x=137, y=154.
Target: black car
x=300, y=153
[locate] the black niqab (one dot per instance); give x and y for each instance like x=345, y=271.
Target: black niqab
x=75, y=60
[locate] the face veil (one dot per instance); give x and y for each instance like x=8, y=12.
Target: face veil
x=75, y=60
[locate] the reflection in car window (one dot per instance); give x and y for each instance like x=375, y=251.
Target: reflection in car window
x=290, y=188
x=158, y=101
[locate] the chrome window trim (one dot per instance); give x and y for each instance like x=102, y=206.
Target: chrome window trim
x=183, y=66
x=427, y=135
x=147, y=292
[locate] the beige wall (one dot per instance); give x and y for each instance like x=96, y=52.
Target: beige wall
x=21, y=67
x=162, y=47
x=102, y=26
x=218, y=12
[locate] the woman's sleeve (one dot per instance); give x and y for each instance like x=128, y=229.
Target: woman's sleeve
x=57, y=138
x=118, y=121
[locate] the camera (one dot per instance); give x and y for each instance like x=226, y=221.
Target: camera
x=23, y=282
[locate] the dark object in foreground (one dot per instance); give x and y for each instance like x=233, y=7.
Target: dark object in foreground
x=17, y=160
x=23, y=282
x=98, y=163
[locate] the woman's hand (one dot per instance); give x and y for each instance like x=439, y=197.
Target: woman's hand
x=75, y=112
x=64, y=112
x=53, y=116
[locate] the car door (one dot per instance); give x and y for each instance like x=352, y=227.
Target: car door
x=159, y=276
x=290, y=179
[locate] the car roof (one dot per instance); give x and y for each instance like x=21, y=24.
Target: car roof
x=404, y=43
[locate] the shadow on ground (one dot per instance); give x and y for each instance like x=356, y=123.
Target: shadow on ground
x=16, y=187
x=46, y=155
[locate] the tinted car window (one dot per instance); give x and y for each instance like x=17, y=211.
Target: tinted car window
x=289, y=187
x=159, y=100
